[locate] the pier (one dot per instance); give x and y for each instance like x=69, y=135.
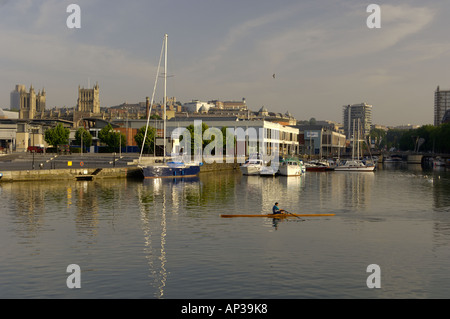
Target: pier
x=68, y=174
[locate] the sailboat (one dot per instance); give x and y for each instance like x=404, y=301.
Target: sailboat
x=171, y=169
x=355, y=164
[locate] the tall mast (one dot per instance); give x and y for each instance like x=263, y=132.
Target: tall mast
x=165, y=92
x=353, y=140
x=357, y=154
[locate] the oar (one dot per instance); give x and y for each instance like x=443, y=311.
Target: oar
x=292, y=215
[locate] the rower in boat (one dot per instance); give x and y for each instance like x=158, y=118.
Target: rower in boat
x=276, y=210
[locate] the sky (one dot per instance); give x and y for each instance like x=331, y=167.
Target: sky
x=322, y=53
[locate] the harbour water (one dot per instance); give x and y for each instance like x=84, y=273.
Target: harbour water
x=165, y=239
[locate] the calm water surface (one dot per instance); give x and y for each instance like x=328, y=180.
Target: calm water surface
x=165, y=239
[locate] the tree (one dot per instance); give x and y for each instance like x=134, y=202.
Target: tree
x=83, y=137
x=149, y=140
x=191, y=129
x=393, y=137
x=444, y=138
x=434, y=138
x=378, y=136
x=111, y=138
x=57, y=135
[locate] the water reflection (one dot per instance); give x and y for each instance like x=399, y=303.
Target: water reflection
x=158, y=198
x=164, y=225
x=153, y=223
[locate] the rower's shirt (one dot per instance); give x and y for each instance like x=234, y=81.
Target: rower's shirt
x=275, y=209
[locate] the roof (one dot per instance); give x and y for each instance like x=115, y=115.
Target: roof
x=8, y=114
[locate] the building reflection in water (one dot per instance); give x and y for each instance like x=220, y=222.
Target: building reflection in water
x=85, y=194
x=28, y=208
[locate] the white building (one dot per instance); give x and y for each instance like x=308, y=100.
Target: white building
x=260, y=136
x=198, y=106
x=441, y=105
x=357, y=116
x=8, y=115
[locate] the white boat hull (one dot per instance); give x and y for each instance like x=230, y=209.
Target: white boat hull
x=356, y=169
x=356, y=166
x=250, y=170
x=268, y=171
x=290, y=170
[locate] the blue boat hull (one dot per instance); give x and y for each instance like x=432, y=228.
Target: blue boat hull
x=170, y=172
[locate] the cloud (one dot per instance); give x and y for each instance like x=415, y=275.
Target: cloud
x=53, y=54
x=346, y=37
x=318, y=50
x=245, y=31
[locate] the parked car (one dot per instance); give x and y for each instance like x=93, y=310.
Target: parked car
x=35, y=149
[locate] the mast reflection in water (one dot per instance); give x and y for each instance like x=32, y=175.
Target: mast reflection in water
x=164, y=238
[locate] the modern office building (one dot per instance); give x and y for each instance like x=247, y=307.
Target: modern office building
x=320, y=140
x=357, y=115
x=441, y=105
x=446, y=117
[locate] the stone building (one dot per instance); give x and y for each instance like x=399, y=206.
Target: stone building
x=88, y=104
x=29, y=104
x=88, y=100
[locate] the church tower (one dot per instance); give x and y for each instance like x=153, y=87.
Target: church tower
x=88, y=100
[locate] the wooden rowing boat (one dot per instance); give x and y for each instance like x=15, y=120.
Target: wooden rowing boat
x=277, y=215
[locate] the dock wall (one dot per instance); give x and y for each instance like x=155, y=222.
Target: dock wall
x=68, y=174
x=94, y=173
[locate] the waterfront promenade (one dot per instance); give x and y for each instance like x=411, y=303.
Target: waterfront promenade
x=33, y=167
x=29, y=167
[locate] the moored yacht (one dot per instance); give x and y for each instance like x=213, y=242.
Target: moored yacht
x=252, y=166
x=355, y=165
x=291, y=168
x=171, y=168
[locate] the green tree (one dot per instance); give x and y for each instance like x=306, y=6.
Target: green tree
x=57, y=135
x=82, y=134
x=190, y=128
x=393, y=137
x=379, y=137
x=149, y=140
x=407, y=140
x=441, y=138
x=111, y=138
x=430, y=135
x=231, y=140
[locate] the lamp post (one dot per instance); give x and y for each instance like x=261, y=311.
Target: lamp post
x=120, y=144
x=33, y=150
x=81, y=136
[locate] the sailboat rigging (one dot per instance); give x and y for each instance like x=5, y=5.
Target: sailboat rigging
x=165, y=169
x=355, y=164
